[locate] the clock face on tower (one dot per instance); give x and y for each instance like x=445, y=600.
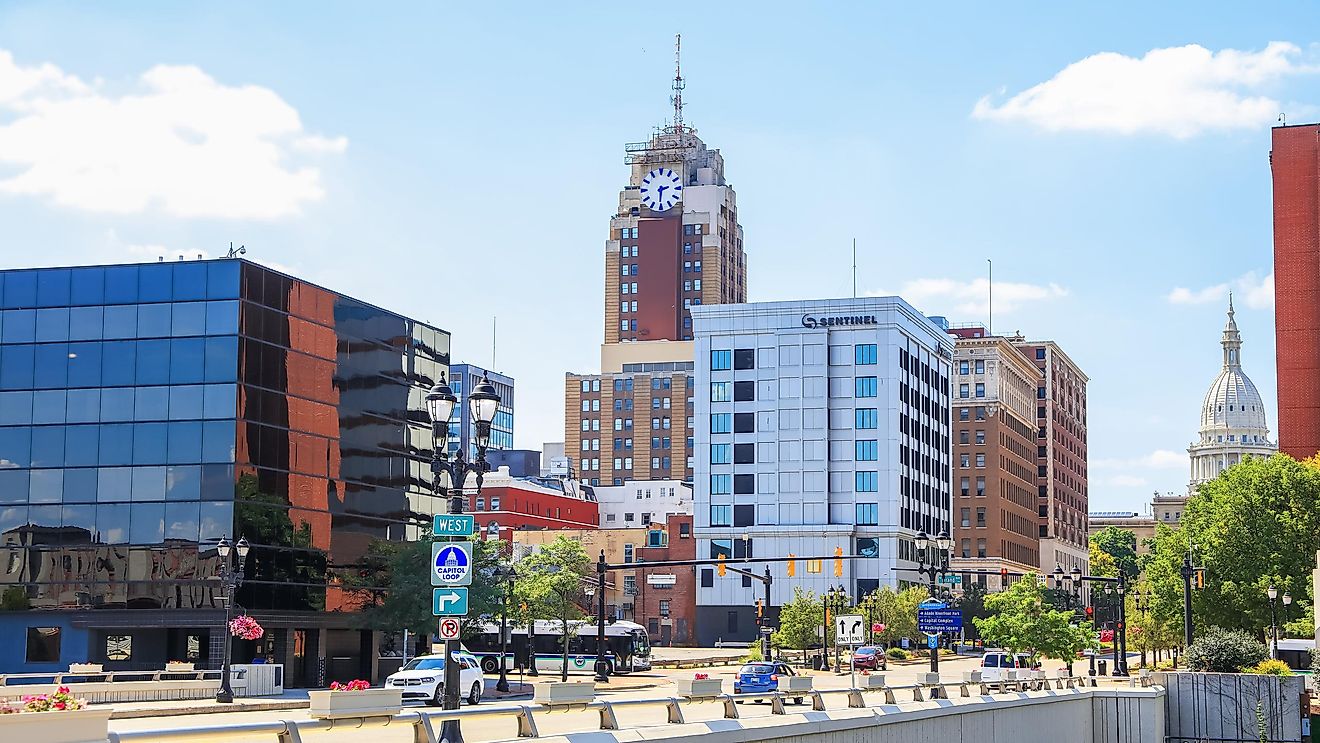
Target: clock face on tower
x=661, y=189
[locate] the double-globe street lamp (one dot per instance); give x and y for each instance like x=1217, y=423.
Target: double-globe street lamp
x=1070, y=584
x=506, y=575
x=1273, y=593
x=836, y=600
x=448, y=476
x=938, y=564
x=231, y=577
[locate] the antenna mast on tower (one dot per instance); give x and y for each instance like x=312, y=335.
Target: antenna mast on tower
x=677, y=97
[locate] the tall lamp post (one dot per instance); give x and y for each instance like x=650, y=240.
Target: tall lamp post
x=505, y=574
x=449, y=475
x=602, y=665
x=1273, y=593
x=826, y=600
x=1070, y=584
x=231, y=576
x=938, y=564
x=838, y=601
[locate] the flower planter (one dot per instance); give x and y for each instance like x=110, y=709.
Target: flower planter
x=698, y=688
x=76, y=726
x=336, y=705
x=971, y=677
x=871, y=681
x=180, y=667
x=795, y=683
x=85, y=668
x=564, y=692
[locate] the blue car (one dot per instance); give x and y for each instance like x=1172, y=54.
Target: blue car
x=755, y=678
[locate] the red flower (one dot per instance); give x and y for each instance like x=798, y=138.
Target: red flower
x=59, y=705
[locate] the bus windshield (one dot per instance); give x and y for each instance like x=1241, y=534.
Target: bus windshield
x=641, y=645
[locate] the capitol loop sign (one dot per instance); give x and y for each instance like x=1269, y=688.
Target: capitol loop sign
x=451, y=564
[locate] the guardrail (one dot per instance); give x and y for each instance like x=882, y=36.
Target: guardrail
x=426, y=724
x=59, y=677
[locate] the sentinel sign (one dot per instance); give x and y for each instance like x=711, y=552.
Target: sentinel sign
x=821, y=321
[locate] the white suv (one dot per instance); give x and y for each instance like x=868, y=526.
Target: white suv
x=423, y=678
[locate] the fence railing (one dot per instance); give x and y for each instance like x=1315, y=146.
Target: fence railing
x=426, y=724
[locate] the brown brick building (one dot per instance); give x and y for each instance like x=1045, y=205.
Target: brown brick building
x=1295, y=167
x=1061, y=464
x=665, y=598
x=995, y=521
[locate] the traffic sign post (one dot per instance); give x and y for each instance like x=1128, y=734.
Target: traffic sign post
x=453, y=525
x=449, y=629
x=451, y=564
x=449, y=602
x=933, y=641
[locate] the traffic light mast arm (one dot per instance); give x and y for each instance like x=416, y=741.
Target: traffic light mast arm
x=763, y=578
x=741, y=560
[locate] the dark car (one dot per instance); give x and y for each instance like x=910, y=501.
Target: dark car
x=869, y=657
x=754, y=678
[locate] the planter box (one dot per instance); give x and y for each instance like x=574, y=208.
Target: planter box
x=698, y=688
x=972, y=677
x=564, y=692
x=335, y=705
x=85, y=668
x=928, y=679
x=795, y=683
x=180, y=667
x=78, y=726
x=872, y=681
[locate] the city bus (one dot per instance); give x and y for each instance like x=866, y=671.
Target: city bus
x=627, y=647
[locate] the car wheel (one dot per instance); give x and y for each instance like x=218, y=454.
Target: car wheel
x=474, y=696
x=797, y=700
x=489, y=665
x=437, y=698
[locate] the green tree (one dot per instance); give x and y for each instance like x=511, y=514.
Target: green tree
x=1121, y=546
x=972, y=605
x=551, y=584
x=1021, y=621
x=1101, y=563
x=898, y=612
x=1257, y=523
x=799, y=621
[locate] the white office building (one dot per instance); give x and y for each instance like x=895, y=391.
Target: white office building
x=638, y=503
x=818, y=425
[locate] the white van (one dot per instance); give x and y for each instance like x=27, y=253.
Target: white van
x=996, y=661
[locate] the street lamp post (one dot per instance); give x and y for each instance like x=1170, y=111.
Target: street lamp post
x=506, y=574
x=1273, y=593
x=448, y=477
x=602, y=665
x=1120, y=637
x=825, y=631
x=839, y=601
x=231, y=576
x=939, y=564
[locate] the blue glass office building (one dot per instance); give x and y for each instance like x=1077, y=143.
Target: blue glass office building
x=462, y=379
x=147, y=410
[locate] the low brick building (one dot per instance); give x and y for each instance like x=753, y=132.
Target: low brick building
x=664, y=599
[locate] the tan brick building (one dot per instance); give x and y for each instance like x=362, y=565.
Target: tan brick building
x=994, y=458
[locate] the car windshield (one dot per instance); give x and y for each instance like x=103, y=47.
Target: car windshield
x=864, y=651
x=424, y=664
x=757, y=668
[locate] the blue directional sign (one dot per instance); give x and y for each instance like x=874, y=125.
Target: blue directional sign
x=449, y=602
x=451, y=564
x=453, y=525
x=932, y=604
x=939, y=620
x=932, y=641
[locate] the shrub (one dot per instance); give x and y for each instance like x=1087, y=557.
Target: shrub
x=1165, y=665
x=60, y=701
x=753, y=654
x=1225, y=651
x=1271, y=668
x=354, y=685
x=898, y=654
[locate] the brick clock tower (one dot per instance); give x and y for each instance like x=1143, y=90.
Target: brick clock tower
x=674, y=241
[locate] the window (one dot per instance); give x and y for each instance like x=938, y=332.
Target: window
x=720, y=453
x=721, y=422
x=980, y=516
x=980, y=413
x=744, y=453
x=1040, y=393
x=744, y=391
x=964, y=460
x=867, y=353
x=1040, y=354
x=744, y=422
x=664, y=607
x=814, y=566
x=980, y=366
x=868, y=514
x=964, y=414
x=719, y=391
x=980, y=548
x=586, y=385
x=721, y=485
x=980, y=486
x=867, y=418
x=964, y=486
x=707, y=578
x=867, y=482
x=744, y=485
x=867, y=450
x=43, y=644
x=980, y=437
x=696, y=284
x=628, y=553
x=965, y=517
x=744, y=358
x=684, y=529
x=721, y=360
x=980, y=389
x=867, y=387
x=964, y=391
x=963, y=367
x=743, y=515
x=980, y=460
x=963, y=437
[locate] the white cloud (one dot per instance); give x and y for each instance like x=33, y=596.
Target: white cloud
x=1176, y=91
x=179, y=142
x=960, y=299
x=1250, y=289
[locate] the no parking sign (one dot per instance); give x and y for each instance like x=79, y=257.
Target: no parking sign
x=448, y=629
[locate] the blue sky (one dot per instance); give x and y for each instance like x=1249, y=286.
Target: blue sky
x=392, y=152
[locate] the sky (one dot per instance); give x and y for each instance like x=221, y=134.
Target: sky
x=459, y=163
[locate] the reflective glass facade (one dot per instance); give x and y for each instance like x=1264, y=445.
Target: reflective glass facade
x=146, y=409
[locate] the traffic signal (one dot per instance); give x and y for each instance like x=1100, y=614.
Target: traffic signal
x=792, y=565
x=838, y=562
x=1003, y=578
x=1090, y=612
x=719, y=568
x=1200, y=577
x=760, y=610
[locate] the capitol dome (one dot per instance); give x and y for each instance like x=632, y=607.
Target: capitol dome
x=1233, y=421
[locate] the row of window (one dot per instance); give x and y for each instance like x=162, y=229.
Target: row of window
x=964, y=391
x=862, y=419
x=157, y=282
x=119, y=322
x=124, y=523
x=628, y=269
x=118, y=404
x=115, y=444
x=863, y=450
x=745, y=484
x=117, y=484
x=964, y=460
x=964, y=367
x=119, y=363
x=864, y=514
x=692, y=286
x=864, y=354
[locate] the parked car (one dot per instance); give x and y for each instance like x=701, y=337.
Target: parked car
x=754, y=678
x=996, y=661
x=869, y=657
x=423, y=679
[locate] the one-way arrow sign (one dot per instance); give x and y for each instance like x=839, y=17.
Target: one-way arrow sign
x=449, y=602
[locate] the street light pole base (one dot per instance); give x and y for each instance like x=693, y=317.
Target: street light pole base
x=451, y=732
x=224, y=696
x=503, y=683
